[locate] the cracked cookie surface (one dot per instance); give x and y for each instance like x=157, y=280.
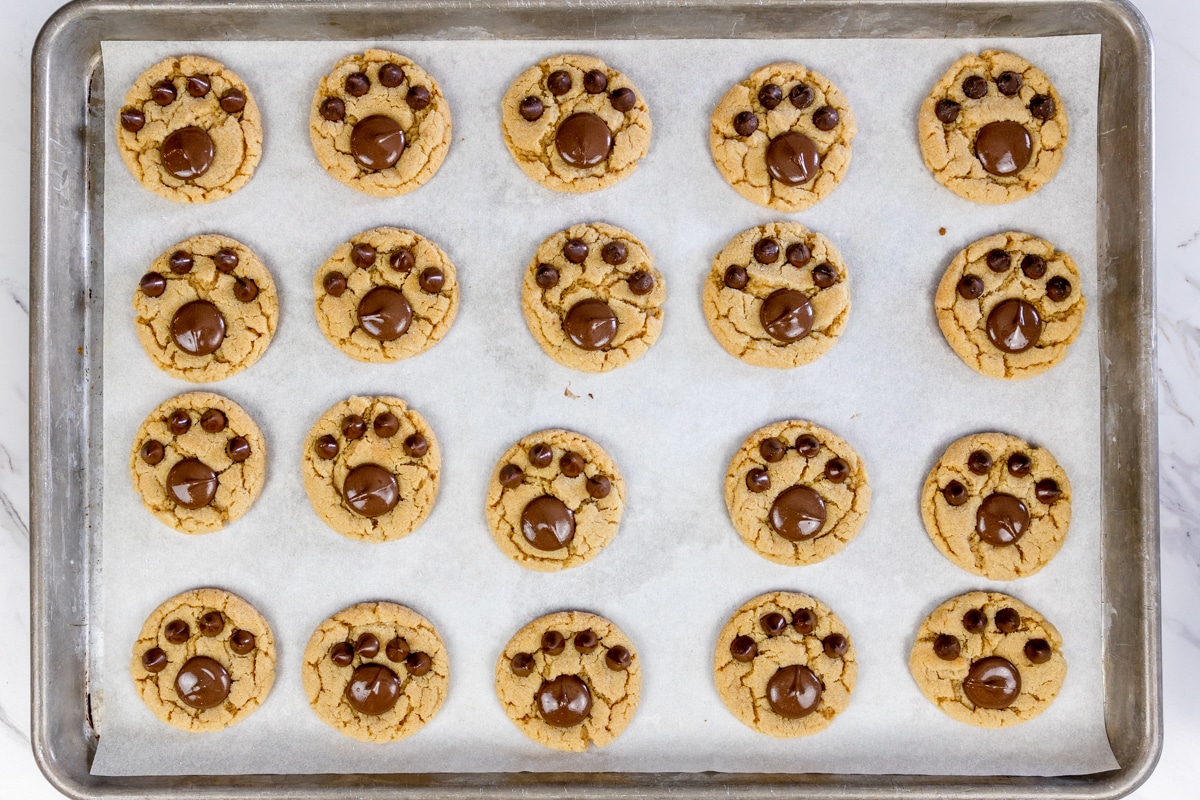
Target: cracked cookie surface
x=993, y=128
x=198, y=462
x=782, y=137
x=377, y=672
x=569, y=679
x=996, y=506
x=785, y=665
x=592, y=297
x=575, y=124
x=386, y=295
x=555, y=500
x=796, y=493
x=371, y=467
x=206, y=309
x=778, y=296
x=1010, y=305
x=988, y=660
x=380, y=124
x=190, y=130
x=204, y=660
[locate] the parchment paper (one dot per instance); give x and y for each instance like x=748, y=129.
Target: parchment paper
x=676, y=570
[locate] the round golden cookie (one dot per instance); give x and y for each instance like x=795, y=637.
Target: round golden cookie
x=380, y=124
x=592, y=297
x=988, y=660
x=198, y=462
x=555, y=500
x=205, y=659
x=575, y=124
x=206, y=309
x=1010, y=305
x=993, y=128
x=386, y=295
x=782, y=137
x=377, y=672
x=796, y=493
x=190, y=130
x=778, y=296
x=371, y=468
x=996, y=506
x=569, y=679
x=785, y=665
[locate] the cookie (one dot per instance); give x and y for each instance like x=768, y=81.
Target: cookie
x=190, y=130
x=555, y=500
x=1010, y=305
x=386, y=295
x=205, y=659
x=569, y=679
x=198, y=462
x=380, y=124
x=206, y=309
x=785, y=665
x=778, y=296
x=988, y=660
x=575, y=124
x=377, y=672
x=371, y=468
x=993, y=128
x=782, y=137
x=796, y=493
x=996, y=506
x=592, y=297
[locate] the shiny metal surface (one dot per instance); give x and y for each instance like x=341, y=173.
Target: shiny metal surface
x=66, y=360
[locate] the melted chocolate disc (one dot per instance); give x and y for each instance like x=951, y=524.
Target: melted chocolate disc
x=1014, y=326
x=202, y=682
x=992, y=682
x=384, y=313
x=373, y=689
x=371, y=490
x=564, y=701
x=787, y=315
x=377, y=142
x=198, y=328
x=792, y=158
x=794, y=692
x=797, y=514
x=1001, y=519
x=547, y=523
x=590, y=324
x=187, y=153
x=583, y=140
x=191, y=483
x=1003, y=148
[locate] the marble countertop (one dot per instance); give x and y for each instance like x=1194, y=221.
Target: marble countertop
x=1176, y=26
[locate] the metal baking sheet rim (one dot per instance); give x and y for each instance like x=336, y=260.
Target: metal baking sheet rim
x=65, y=250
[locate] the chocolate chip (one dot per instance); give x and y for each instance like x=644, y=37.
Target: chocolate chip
x=947, y=111
x=179, y=422
x=766, y=251
x=955, y=493
x=416, y=445
x=397, y=650
x=132, y=120
x=1033, y=266
x=802, y=95
x=614, y=253
x=354, y=427
x=1058, y=288
x=363, y=255
x=1047, y=491
x=586, y=641
x=837, y=470
x=213, y=420
x=511, y=476
x=154, y=660
x=334, y=283
x=623, y=99
x=571, y=464
x=559, y=82
x=1041, y=106
x=432, y=280
x=1009, y=83
x=970, y=287
x=1008, y=620
x=773, y=623
x=402, y=261
x=757, y=480
x=540, y=455
x=553, y=643
x=531, y=109
x=641, y=282
x=367, y=645
x=333, y=109
x=152, y=452
x=835, y=645
x=826, y=118
x=975, y=621
x=618, y=658
x=233, y=101
x=242, y=642
x=1019, y=465
x=974, y=87
x=418, y=98
x=212, y=623
x=745, y=123
x=341, y=654
x=521, y=665
x=163, y=93
x=807, y=445
x=594, y=81
x=245, y=290
x=391, y=75
x=824, y=276
x=946, y=647
x=199, y=85
x=326, y=447
x=177, y=631
x=152, y=284
x=998, y=260
x=798, y=254
x=736, y=277
x=599, y=487
x=1038, y=651
x=804, y=620
x=770, y=96
x=546, y=276
x=979, y=462
x=181, y=262
x=575, y=251
x=238, y=449
x=772, y=449
x=743, y=648
x=386, y=425
x=357, y=84
x=225, y=260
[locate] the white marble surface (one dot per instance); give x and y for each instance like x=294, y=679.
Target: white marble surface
x=1176, y=25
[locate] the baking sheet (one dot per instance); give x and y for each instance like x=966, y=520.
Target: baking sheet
x=672, y=421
